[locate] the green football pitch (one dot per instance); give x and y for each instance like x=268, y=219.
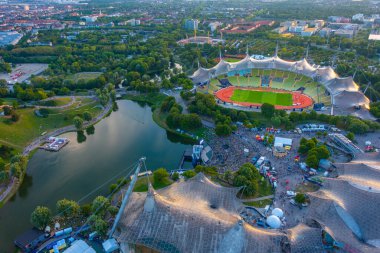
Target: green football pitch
x=261, y=97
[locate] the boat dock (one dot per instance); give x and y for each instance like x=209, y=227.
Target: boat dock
x=55, y=144
x=145, y=173
x=187, y=156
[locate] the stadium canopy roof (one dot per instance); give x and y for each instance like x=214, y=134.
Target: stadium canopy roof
x=348, y=204
x=200, y=216
x=194, y=216
x=344, y=91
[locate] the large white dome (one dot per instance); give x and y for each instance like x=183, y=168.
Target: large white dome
x=278, y=212
x=273, y=221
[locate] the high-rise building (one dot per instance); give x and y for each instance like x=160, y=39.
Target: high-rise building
x=191, y=24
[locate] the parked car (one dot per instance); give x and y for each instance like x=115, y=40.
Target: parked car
x=290, y=193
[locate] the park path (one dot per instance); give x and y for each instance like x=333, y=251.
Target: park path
x=258, y=199
x=72, y=101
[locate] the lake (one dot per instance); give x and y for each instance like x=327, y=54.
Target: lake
x=86, y=163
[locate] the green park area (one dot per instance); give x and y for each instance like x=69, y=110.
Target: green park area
x=58, y=101
x=30, y=126
x=83, y=76
x=229, y=59
x=261, y=97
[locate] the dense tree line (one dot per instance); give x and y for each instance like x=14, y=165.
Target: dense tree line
x=175, y=118
x=314, y=151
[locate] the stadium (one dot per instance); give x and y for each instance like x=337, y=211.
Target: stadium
x=288, y=85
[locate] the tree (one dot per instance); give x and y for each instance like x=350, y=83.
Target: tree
x=40, y=217
x=68, y=208
x=300, y=198
x=4, y=175
x=2, y=164
x=312, y=161
x=357, y=126
x=113, y=187
x=350, y=136
x=16, y=169
x=251, y=188
x=87, y=116
x=85, y=210
x=7, y=110
x=100, y=226
x=100, y=205
x=113, y=210
x=14, y=116
x=276, y=121
x=267, y=110
x=242, y=116
x=223, y=130
x=189, y=174
x=78, y=122
x=322, y=152
x=175, y=176
x=228, y=176
x=160, y=175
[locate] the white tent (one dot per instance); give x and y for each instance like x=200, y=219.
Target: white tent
x=273, y=222
x=282, y=142
x=278, y=212
x=80, y=246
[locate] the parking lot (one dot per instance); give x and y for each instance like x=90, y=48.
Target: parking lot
x=23, y=72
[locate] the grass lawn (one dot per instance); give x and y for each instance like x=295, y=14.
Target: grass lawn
x=260, y=97
x=83, y=75
x=307, y=187
x=142, y=184
x=58, y=101
x=8, y=101
x=260, y=203
x=29, y=126
x=228, y=59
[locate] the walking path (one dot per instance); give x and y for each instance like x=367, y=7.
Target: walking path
x=73, y=99
x=258, y=199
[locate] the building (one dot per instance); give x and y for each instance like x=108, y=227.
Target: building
x=308, y=32
x=358, y=17
x=325, y=32
x=318, y=23
x=338, y=19
x=191, y=24
x=374, y=36
x=9, y=38
x=246, y=27
x=214, y=25
x=133, y=22
x=349, y=34
x=297, y=28
x=89, y=19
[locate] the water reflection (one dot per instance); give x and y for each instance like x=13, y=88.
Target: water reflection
x=27, y=183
